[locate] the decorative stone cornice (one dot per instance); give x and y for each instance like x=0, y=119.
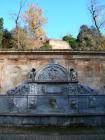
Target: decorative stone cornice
x=50, y=52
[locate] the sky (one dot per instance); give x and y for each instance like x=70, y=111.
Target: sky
x=63, y=16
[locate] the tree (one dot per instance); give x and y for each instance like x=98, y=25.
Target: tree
x=97, y=12
x=71, y=40
x=1, y=31
x=32, y=35
x=18, y=16
x=19, y=38
x=7, y=37
x=89, y=39
x=34, y=21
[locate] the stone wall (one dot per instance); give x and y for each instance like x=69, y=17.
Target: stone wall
x=15, y=66
x=59, y=44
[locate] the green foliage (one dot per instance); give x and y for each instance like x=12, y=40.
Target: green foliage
x=7, y=37
x=46, y=46
x=89, y=39
x=71, y=40
x=19, y=38
x=1, y=31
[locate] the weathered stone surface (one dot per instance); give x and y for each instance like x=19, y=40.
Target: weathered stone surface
x=59, y=44
x=14, y=66
x=51, y=90
x=51, y=96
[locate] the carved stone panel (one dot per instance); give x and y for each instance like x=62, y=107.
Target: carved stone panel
x=51, y=91
x=52, y=72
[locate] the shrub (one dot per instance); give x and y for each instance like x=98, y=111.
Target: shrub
x=46, y=46
x=71, y=40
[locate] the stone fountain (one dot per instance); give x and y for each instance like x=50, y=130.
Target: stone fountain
x=52, y=96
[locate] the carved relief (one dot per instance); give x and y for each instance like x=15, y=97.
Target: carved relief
x=74, y=104
x=92, y=102
x=32, y=75
x=53, y=103
x=50, y=96
x=73, y=75
x=52, y=72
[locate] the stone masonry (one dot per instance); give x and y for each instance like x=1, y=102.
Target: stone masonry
x=15, y=66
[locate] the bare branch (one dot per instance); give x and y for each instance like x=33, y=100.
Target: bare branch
x=96, y=10
x=21, y=5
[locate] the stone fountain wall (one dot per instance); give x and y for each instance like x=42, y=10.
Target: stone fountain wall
x=15, y=66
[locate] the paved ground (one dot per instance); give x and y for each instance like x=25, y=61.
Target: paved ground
x=52, y=133
x=51, y=137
